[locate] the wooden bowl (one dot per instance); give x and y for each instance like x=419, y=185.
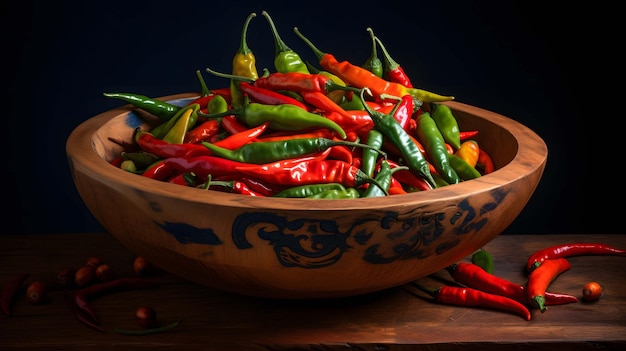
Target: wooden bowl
x=302, y=248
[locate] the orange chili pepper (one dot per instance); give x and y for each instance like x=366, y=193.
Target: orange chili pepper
x=469, y=152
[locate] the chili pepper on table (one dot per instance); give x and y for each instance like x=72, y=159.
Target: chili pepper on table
x=474, y=276
x=391, y=129
x=483, y=259
x=464, y=296
x=244, y=64
x=392, y=70
x=435, y=147
x=373, y=62
x=308, y=190
x=570, y=250
x=269, y=97
x=447, y=124
x=10, y=290
x=79, y=314
x=540, y=278
x=161, y=109
x=281, y=117
x=359, y=77
x=270, y=151
x=285, y=59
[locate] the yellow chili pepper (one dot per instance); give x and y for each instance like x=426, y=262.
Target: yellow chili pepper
x=244, y=65
x=469, y=151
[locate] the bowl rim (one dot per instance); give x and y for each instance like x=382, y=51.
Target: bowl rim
x=81, y=153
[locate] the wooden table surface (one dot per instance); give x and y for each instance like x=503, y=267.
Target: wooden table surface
x=401, y=318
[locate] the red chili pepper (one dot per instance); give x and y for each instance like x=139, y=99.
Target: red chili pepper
x=269, y=97
x=569, y=250
x=203, y=101
x=341, y=152
x=323, y=102
x=485, y=162
x=409, y=178
x=467, y=134
x=159, y=171
x=204, y=166
x=184, y=179
x=232, y=125
x=161, y=148
x=392, y=70
x=10, y=290
x=540, y=279
x=77, y=312
x=233, y=186
x=474, y=276
x=202, y=132
x=240, y=139
x=224, y=92
x=262, y=188
x=404, y=111
x=310, y=172
x=356, y=120
x=463, y=296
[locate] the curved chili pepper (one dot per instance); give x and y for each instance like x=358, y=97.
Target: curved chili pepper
x=391, y=129
x=309, y=190
x=86, y=320
x=310, y=172
x=285, y=59
x=242, y=138
x=570, y=250
x=281, y=117
x=467, y=134
x=462, y=169
x=270, y=151
x=161, y=109
x=464, y=296
x=161, y=148
x=373, y=62
x=447, y=124
x=244, y=64
x=269, y=97
x=10, y=290
x=485, y=162
x=435, y=147
x=540, y=278
x=391, y=69
x=323, y=102
x=469, y=152
x=160, y=170
x=202, y=132
x=359, y=77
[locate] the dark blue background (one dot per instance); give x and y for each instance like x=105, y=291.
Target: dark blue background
x=554, y=70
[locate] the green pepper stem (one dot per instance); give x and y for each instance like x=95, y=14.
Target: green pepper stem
x=317, y=52
x=230, y=76
x=243, y=46
x=205, y=89
x=389, y=61
x=280, y=45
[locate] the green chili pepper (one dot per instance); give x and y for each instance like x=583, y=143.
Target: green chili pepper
x=463, y=169
x=483, y=259
x=392, y=129
x=435, y=147
x=162, y=129
x=174, y=132
x=141, y=159
x=383, y=177
x=447, y=124
x=244, y=64
x=368, y=159
x=285, y=59
x=354, y=103
x=349, y=193
x=281, y=117
x=309, y=189
x=160, y=109
x=373, y=62
x=218, y=104
x=264, y=152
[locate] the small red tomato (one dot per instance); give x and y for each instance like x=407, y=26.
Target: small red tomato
x=36, y=292
x=146, y=316
x=142, y=266
x=592, y=291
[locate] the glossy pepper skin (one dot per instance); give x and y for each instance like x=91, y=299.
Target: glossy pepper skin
x=569, y=250
x=540, y=279
x=244, y=64
x=281, y=117
x=285, y=59
x=349, y=193
x=392, y=70
x=391, y=129
x=160, y=109
x=435, y=147
x=447, y=124
x=360, y=77
x=373, y=62
x=309, y=190
x=383, y=177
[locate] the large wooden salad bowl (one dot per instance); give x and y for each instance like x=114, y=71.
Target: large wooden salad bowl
x=303, y=248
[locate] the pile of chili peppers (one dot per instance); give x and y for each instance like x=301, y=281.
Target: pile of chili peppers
x=340, y=130
x=478, y=287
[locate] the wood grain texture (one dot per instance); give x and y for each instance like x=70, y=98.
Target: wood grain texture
x=396, y=319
